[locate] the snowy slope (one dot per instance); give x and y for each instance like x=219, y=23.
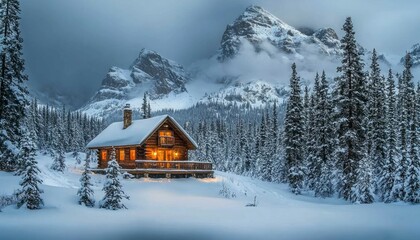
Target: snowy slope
x=255, y=94
x=193, y=209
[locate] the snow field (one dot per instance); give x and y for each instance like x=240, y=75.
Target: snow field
x=194, y=209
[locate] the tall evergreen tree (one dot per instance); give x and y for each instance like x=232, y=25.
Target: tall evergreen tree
x=12, y=89
x=58, y=144
x=113, y=187
x=377, y=122
x=406, y=105
x=323, y=135
x=293, y=135
x=386, y=180
x=350, y=100
x=30, y=194
x=412, y=182
x=149, y=110
x=144, y=106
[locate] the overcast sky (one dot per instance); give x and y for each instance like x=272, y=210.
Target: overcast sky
x=70, y=45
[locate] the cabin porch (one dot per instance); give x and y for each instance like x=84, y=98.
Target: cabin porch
x=168, y=169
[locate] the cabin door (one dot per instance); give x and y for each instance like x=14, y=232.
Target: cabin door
x=165, y=155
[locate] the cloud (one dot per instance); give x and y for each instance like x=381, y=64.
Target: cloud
x=70, y=45
x=269, y=65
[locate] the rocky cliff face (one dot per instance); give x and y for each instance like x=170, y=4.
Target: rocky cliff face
x=414, y=54
x=149, y=72
x=167, y=76
x=257, y=25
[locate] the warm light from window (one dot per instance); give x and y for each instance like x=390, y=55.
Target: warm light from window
x=122, y=155
x=104, y=155
x=154, y=153
x=166, y=133
x=132, y=154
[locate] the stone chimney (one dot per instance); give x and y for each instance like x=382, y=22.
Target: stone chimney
x=127, y=116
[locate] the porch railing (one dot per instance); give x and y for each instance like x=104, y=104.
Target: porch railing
x=184, y=165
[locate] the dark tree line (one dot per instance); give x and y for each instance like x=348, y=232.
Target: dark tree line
x=356, y=138
x=363, y=136
x=61, y=130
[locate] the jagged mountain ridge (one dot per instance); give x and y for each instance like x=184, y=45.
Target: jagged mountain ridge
x=171, y=86
x=150, y=73
x=257, y=25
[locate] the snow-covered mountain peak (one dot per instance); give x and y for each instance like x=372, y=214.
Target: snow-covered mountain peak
x=262, y=18
x=257, y=26
x=150, y=72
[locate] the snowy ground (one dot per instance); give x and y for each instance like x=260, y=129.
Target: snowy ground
x=193, y=209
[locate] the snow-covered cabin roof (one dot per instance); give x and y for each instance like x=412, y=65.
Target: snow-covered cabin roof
x=135, y=134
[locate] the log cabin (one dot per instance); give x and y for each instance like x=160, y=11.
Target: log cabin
x=152, y=147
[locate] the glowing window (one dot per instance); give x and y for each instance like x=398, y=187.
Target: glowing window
x=104, y=155
x=122, y=155
x=132, y=154
x=166, y=133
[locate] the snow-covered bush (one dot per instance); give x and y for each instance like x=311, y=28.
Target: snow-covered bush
x=227, y=192
x=127, y=175
x=6, y=200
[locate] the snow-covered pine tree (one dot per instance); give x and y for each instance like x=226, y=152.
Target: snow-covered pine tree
x=59, y=163
x=323, y=135
x=363, y=189
x=264, y=171
x=247, y=154
x=276, y=145
x=12, y=88
x=149, y=110
x=306, y=119
x=144, y=108
x=412, y=182
x=293, y=135
x=30, y=194
x=405, y=103
x=377, y=122
x=349, y=102
x=59, y=140
x=113, y=187
x=386, y=180
x=310, y=136
x=85, y=191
